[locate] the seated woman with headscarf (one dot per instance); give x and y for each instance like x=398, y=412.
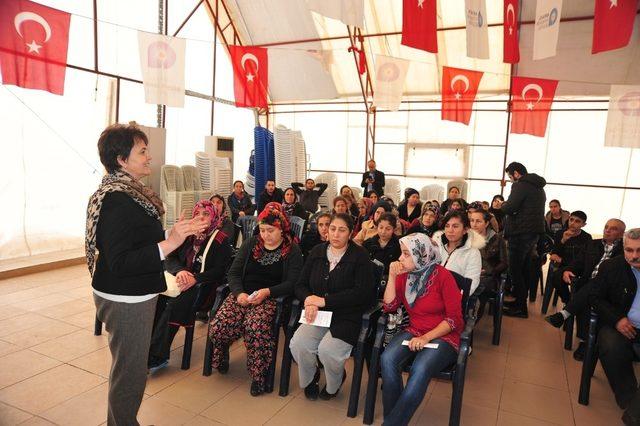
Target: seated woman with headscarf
x=266, y=267
x=370, y=227
x=201, y=259
x=226, y=224
x=427, y=223
x=364, y=208
x=411, y=207
x=336, y=277
x=291, y=206
x=432, y=299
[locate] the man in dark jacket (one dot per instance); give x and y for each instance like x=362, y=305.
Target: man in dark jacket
x=373, y=180
x=617, y=301
x=579, y=275
x=270, y=193
x=524, y=222
x=310, y=194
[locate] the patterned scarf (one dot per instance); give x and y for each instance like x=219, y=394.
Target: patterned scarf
x=195, y=242
x=425, y=256
x=118, y=181
x=434, y=227
x=289, y=208
x=273, y=215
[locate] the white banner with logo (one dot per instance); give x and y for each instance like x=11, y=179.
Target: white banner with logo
x=390, y=76
x=547, y=27
x=477, y=29
x=623, y=119
x=162, y=61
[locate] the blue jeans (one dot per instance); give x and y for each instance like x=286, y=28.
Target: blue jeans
x=400, y=402
x=519, y=248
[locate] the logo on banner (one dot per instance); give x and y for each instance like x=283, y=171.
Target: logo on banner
x=527, y=88
x=160, y=55
x=629, y=104
x=464, y=80
x=22, y=17
x=388, y=72
x=548, y=19
x=474, y=18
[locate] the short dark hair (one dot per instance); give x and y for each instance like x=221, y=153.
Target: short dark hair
x=270, y=180
x=323, y=214
x=389, y=217
x=580, y=215
x=555, y=201
x=116, y=141
x=340, y=198
x=309, y=179
x=497, y=196
x=241, y=182
x=486, y=216
x=516, y=167
x=452, y=214
x=345, y=217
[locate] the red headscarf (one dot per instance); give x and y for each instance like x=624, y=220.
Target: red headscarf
x=198, y=240
x=273, y=215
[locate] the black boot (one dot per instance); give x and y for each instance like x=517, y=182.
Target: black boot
x=312, y=389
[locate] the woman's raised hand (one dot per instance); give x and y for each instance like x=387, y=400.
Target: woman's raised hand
x=396, y=268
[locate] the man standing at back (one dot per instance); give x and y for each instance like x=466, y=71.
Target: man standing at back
x=373, y=180
x=524, y=222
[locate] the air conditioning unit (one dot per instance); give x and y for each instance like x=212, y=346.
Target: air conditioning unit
x=220, y=146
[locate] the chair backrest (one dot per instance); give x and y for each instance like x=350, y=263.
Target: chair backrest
x=378, y=274
x=248, y=224
x=392, y=190
x=545, y=245
x=297, y=226
x=464, y=284
x=462, y=185
x=432, y=192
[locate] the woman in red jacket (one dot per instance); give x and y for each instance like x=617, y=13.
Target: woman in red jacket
x=432, y=299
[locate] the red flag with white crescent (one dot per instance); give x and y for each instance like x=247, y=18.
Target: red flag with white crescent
x=33, y=45
x=531, y=100
x=419, y=25
x=511, y=49
x=250, y=76
x=459, y=88
x=613, y=24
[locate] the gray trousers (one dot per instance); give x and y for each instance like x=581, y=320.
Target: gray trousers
x=129, y=326
x=310, y=341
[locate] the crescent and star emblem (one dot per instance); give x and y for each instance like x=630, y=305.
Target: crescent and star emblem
x=463, y=79
x=537, y=89
x=614, y=3
x=249, y=57
x=511, y=11
x=420, y=3
x=30, y=16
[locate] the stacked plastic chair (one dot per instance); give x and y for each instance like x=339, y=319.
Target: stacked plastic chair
x=300, y=156
x=264, y=158
x=171, y=183
x=432, y=192
x=250, y=184
x=392, y=190
x=326, y=199
x=214, y=173
x=285, y=163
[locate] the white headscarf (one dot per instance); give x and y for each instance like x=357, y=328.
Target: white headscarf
x=425, y=256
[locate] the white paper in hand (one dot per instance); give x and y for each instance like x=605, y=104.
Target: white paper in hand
x=427, y=346
x=323, y=319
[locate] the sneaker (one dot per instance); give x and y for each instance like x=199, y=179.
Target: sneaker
x=257, y=388
x=326, y=395
x=578, y=354
x=158, y=365
x=556, y=320
x=312, y=390
x=223, y=368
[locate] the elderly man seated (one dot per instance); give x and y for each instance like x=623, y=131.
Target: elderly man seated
x=617, y=302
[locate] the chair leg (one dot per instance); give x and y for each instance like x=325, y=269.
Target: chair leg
x=372, y=388
x=354, y=394
x=555, y=299
x=285, y=368
x=186, y=350
x=546, y=299
x=541, y=281
x=208, y=357
x=271, y=374
x=497, y=320
x=568, y=335
x=456, y=396
x=97, y=327
x=588, y=367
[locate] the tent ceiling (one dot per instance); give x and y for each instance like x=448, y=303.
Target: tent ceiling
x=296, y=73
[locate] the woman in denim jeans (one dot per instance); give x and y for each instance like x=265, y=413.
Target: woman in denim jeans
x=432, y=299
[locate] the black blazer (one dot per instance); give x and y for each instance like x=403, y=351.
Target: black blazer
x=127, y=238
x=216, y=263
x=348, y=290
x=614, y=289
x=386, y=255
x=378, y=182
x=584, y=264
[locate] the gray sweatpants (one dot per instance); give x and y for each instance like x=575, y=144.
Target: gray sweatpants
x=129, y=326
x=310, y=341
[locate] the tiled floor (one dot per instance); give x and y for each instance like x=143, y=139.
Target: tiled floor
x=53, y=370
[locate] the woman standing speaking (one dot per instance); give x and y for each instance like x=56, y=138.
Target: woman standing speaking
x=123, y=225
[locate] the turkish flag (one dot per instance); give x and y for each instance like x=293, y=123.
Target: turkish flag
x=613, y=24
x=459, y=88
x=531, y=100
x=250, y=75
x=33, y=45
x=511, y=50
x=419, y=23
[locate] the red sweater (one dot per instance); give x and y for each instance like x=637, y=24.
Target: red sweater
x=441, y=302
